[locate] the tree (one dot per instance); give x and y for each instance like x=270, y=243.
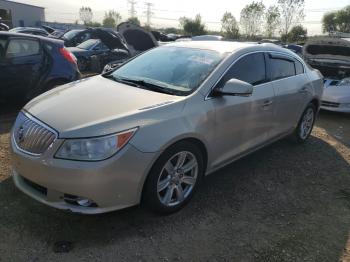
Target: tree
x=337, y=21
x=229, y=26
x=191, y=26
x=94, y=24
x=134, y=20
x=85, y=14
x=292, y=12
x=273, y=20
x=251, y=18
x=111, y=19
x=297, y=34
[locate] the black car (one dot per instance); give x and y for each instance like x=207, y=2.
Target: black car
x=30, y=31
x=31, y=65
x=93, y=54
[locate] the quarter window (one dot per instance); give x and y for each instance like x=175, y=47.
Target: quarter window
x=250, y=68
x=281, y=68
x=22, y=47
x=299, y=68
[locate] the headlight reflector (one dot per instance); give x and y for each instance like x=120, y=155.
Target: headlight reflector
x=94, y=149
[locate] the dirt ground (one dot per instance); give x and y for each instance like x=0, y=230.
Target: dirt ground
x=283, y=203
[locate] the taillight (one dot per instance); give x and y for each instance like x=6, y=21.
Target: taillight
x=68, y=55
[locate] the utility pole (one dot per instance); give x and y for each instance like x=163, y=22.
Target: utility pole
x=132, y=10
x=149, y=12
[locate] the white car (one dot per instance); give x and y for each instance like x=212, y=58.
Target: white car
x=331, y=56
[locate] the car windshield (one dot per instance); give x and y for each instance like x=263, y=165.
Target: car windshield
x=70, y=34
x=88, y=44
x=176, y=68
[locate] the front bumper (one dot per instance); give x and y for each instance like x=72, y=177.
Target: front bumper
x=112, y=184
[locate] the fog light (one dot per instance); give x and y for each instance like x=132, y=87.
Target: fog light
x=86, y=203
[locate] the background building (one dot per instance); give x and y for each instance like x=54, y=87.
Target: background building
x=17, y=14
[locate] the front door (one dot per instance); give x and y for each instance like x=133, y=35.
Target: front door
x=242, y=123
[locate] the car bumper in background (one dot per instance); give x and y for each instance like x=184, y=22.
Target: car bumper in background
x=335, y=106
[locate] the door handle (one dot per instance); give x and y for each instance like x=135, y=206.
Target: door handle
x=267, y=103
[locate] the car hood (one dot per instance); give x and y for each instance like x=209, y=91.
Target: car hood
x=327, y=50
x=137, y=38
x=98, y=106
x=338, y=94
x=112, y=39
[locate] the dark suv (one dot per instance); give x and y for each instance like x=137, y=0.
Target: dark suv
x=31, y=65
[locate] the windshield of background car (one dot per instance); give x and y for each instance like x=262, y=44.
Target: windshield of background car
x=178, y=68
x=88, y=44
x=70, y=34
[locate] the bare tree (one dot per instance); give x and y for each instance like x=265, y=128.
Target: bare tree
x=251, y=20
x=85, y=14
x=292, y=12
x=273, y=20
x=229, y=26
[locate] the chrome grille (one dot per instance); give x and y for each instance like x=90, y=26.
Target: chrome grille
x=31, y=136
x=329, y=104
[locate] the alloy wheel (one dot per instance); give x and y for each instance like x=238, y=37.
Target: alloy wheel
x=177, y=178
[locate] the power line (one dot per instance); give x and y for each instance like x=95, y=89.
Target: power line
x=149, y=12
x=132, y=10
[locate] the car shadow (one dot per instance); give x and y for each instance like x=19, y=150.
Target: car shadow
x=283, y=203
x=8, y=113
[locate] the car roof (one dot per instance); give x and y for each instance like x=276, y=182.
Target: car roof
x=230, y=47
x=42, y=38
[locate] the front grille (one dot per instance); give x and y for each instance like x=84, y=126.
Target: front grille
x=329, y=104
x=32, y=136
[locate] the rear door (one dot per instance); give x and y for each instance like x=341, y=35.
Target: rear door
x=24, y=61
x=288, y=77
x=243, y=123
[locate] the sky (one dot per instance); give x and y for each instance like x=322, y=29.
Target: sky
x=167, y=12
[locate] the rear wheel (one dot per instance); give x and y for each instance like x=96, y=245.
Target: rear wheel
x=306, y=124
x=174, y=178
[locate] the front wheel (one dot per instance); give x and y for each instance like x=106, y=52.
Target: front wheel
x=306, y=124
x=174, y=178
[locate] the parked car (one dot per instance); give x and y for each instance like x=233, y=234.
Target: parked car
x=298, y=49
x=151, y=129
x=207, y=38
x=4, y=27
x=331, y=56
x=96, y=48
x=30, y=65
x=30, y=31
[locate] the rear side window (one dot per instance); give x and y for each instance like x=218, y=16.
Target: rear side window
x=250, y=68
x=22, y=47
x=281, y=68
x=299, y=68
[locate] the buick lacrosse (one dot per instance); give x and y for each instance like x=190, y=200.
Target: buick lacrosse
x=149, y=130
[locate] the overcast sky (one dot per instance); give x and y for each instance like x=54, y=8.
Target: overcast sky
x=167, y=12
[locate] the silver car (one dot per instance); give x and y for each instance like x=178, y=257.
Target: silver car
x=150, y=130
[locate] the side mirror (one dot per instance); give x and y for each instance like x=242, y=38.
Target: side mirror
x=235, y=87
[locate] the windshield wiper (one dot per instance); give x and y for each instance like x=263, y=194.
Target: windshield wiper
x=121, y=80
x=152, y=86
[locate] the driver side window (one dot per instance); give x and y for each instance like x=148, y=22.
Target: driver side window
x=250, y=68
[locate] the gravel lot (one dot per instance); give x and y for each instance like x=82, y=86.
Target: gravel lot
x=282, y=203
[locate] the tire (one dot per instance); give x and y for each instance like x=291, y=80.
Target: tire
x=305, y=125
x=169, y=188
x=82, y=64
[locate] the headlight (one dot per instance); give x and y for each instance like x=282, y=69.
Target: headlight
x=344, y=82
x=94, y=149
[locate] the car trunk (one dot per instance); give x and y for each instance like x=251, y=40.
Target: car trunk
x=137, y=38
